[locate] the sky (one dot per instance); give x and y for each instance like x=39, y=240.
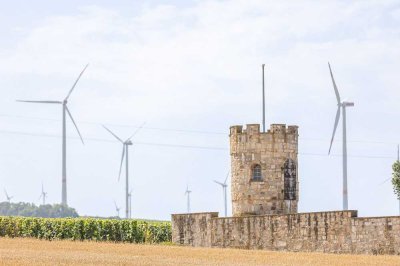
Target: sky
x=190, y=70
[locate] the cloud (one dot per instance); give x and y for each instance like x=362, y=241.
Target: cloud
x=200, y=65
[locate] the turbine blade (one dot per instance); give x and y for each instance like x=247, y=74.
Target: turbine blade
x=227, y=175
x=122, y=161
x=73, y=121
x=219, y=183
x=113, y=134
x=73, y=86
x=137, y=130
x=40, y=196
x=334, y=128
x=334, y=85
x=380, y=184
x=23, y=101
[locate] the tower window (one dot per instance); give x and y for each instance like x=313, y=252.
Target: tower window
x=256, y=173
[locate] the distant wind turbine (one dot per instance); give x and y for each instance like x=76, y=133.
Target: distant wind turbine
x=341, y=105
x=224, y=187
x=7, y=196
x=398, y=160
x=125, y=155
x=187, y=193
x=130, y=203
x=117, y=208
x=65, y=112
x=43, y=196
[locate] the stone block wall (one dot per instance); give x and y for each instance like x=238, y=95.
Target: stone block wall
x=193, y=229
x=272, y=151
x=332, y=232
x=376, y=235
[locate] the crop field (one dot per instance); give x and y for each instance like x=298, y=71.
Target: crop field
x=28, y=251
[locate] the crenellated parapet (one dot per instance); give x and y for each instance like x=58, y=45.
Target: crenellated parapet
x=264, y=169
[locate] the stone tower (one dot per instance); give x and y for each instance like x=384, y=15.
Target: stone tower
x=264, y=170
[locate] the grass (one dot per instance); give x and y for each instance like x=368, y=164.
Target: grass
x=21, y=251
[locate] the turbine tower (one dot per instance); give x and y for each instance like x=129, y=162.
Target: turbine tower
x=130, y=203
x=398, y=160
x=43, y=196
x=125, y=155
x=342, y=105
x=65, y=112
x=117, y=208
x=224, y=186
x=187, y=192
x=7, y=196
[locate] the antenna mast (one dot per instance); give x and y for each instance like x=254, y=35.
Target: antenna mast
x=263, y=97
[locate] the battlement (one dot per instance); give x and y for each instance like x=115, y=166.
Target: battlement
x=331, y=231
x=254, y=129
x=264, y=169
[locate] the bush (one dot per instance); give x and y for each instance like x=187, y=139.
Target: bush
x=130, y=231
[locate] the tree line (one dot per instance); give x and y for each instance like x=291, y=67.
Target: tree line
x=31, y=210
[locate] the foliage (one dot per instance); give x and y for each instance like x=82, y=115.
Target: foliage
x=31, y=210
x=396, y=178
x=130, y=231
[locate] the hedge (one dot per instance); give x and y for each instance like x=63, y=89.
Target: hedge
x=130, y=231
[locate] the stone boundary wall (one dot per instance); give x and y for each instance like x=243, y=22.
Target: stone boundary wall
x=332, y=232
x=193, y=229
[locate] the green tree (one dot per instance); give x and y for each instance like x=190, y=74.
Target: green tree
x=31, y=210
x=396, y=178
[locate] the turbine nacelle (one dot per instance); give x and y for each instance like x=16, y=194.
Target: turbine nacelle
x=347, y=104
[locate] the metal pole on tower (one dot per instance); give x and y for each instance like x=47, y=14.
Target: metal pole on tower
x=263, y=97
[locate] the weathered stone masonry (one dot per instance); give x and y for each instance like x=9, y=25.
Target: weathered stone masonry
x=265, y=194
x=275, y=152
x=333, y=232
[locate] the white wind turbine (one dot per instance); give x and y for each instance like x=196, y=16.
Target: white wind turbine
x=224, y=187
x=117, y=208
x=130, y=203
x=7, y=196
x=65, y=111
x=187, y=193
x=43, y=196
x=125, y=155
x=341, y=106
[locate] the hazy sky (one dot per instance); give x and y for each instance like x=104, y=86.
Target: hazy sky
x=191, y=69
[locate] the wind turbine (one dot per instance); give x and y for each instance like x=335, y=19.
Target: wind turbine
x=117, y=208
x=7, y=196
x=187, y=192
x=130, y=203
x=125, y=146
x=398, y=160
x=224, y=186
x=65, y=112
x=341, y=105
x=43, y=196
